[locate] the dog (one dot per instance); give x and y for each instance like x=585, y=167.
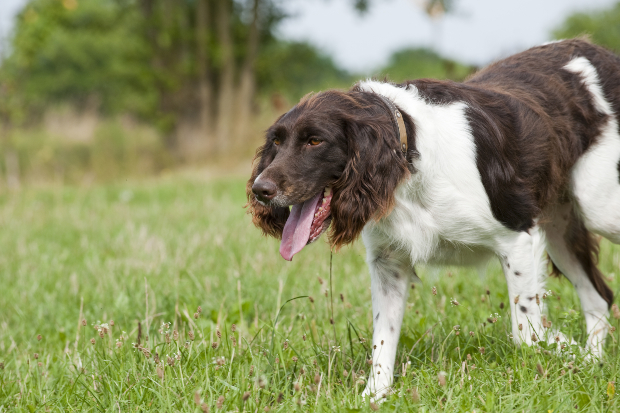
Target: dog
x=521, y=159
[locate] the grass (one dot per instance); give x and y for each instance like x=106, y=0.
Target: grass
x=148, y=255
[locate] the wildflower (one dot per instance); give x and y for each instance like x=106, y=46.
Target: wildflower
x=191, y=335
x=342, y=297
x=336, y=349
x=197, y=398
x=481, y=350
x=317, y=378
x=262, y=382
x=167, y=338
x=175, y=335
x=36, y=356
x=469, y=357
x=304, y=337
x=454, y=302
x=540, y=369
x=616, y=311
x=457, y=327
x=277, y=360
x=246, y=395
x=534, y=338
x=297, y=386
x=234, y=340
x=119, y=344
x=434, y=290
x=199, y=310
x=280, y=398
x=285, y=346
x=471, y=333
x=170, y=361
x=345, y=373
x=39, y=337
x=320, y=280
x=218, y=333
x=196, y=316
x=294, y=359
x=501, y=305
x=204, y=407
x=111, y=323
x=488, y=292
x=374, y=406
x=415, y=395
x=92, y=341
x=311, y=299
x=84, y=322
x=441, y=378
x=520, y=327
x=537, y=300
x=233, y=328
x=516, y=300
x=214, y=345
x=220, y=402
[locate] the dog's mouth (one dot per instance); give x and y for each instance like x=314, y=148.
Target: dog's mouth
x=305, y=224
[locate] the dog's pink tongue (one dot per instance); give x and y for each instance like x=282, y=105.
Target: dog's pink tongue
x=297, y=228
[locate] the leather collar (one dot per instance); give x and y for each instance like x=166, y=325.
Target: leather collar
x=410, y=153
x=399, y=124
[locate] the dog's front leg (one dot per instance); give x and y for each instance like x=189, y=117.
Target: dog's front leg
x=390, y=278
x=525, y=268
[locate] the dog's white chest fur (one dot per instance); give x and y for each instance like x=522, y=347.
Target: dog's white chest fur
x=442, y=213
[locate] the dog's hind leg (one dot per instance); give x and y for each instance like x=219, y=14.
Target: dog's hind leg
x=390, y=274
x=522, y=255
x=574, y=251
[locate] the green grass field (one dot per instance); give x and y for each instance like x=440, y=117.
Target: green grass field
x=148, y=254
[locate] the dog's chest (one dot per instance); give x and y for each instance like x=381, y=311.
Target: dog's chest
x=444, y=227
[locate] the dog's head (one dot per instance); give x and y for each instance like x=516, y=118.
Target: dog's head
x=335, y=159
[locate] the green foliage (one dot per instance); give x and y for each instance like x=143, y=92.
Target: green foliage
x=603, y=27
x=70, y=51
x=423, y=63
x=116, y=150
x=296, y=68
x=152, y=252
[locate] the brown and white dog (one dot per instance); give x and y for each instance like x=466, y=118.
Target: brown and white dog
x=521, y=158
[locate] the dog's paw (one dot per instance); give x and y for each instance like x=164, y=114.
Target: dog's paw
x=378, y=394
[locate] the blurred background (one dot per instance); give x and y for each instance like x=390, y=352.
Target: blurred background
x=102, y=90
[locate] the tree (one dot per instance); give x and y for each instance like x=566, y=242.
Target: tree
x=603, y=27
x=420, y=63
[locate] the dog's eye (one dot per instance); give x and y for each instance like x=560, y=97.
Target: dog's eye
x=276, y=141
x=314, y=141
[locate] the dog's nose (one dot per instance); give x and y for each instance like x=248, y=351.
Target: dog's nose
x=264, y=189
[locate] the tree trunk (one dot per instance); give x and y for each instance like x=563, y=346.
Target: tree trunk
x=245, y=98
x=227, y=72
x=205, y=91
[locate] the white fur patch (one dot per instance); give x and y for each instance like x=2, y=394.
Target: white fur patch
x=589, y=76
x=595, y=174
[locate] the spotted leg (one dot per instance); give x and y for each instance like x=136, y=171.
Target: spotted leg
x=524, y=264
x=390, y=279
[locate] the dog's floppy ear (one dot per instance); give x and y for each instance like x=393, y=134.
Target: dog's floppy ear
x=375, y=167
x=270, y=220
